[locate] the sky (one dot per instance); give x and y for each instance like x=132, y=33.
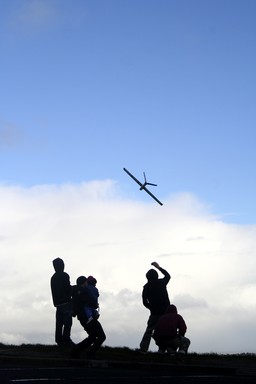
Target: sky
x=165, y=87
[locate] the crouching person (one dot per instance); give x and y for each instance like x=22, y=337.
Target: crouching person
x=169, y=333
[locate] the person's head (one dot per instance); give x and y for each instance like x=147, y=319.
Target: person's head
x=81, y=281
x=152, y=275
x=92, y=280
x=58, y=265
x=171, y=309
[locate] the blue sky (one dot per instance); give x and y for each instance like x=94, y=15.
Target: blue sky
x=166, y=87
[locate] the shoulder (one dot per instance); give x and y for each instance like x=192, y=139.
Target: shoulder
x=163, y=281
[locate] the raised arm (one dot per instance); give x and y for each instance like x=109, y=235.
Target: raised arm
x=167, y=276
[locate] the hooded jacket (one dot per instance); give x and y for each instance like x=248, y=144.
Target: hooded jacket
x=60, y=284
x=169, y=325
x=154, y=295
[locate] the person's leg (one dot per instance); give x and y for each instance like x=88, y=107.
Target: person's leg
x=58, y=326
x=84, y=344
x=145, y=342
x=95, y=329
x=67, y=323
x=172, y=345
x=164, y=344
x=96, y=337
x=180, y=343
x=80, y=347
x=184, y=343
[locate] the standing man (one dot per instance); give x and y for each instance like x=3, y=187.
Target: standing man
x=82, y=299
x=155, y=298
x=61, y=296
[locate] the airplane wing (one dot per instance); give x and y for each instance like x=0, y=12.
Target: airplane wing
x=134, y=178
x=151, y=194
x=145, y=189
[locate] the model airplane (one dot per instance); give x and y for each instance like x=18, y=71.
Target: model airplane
x=143, y=185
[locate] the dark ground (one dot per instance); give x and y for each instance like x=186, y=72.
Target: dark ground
x=32, y=363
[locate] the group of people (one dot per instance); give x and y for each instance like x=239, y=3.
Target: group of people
x=164, y=325
x=81, y=301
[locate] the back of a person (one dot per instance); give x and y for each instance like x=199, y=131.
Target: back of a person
x=77, y=303
x=167, y=325
x=60, y=291
x=169, y=333
x=92, y=285
x=93, y=291
x=157, y=296
x=60, y=284
x=81, y=298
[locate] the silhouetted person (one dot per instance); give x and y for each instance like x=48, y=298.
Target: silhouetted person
x=82, y=296
x=91, y=286
x=169, y=333
x=61, y=296
x=155, y=298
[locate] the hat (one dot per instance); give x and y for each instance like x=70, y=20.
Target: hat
x=92, y=280
x=80, y=280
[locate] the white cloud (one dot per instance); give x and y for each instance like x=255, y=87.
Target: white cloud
x=97, y=232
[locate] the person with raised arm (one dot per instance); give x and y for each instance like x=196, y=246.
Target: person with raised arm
x=155, y=298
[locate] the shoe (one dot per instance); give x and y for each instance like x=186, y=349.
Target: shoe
x=142, y=352
x=179, y=356
x=171, y=351
x=66, y=343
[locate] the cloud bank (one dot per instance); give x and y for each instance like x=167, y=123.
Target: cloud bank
x=98, y=231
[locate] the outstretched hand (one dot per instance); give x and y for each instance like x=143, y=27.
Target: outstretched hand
x=155, y=264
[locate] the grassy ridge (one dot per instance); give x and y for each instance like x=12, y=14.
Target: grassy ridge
x=41, y=351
